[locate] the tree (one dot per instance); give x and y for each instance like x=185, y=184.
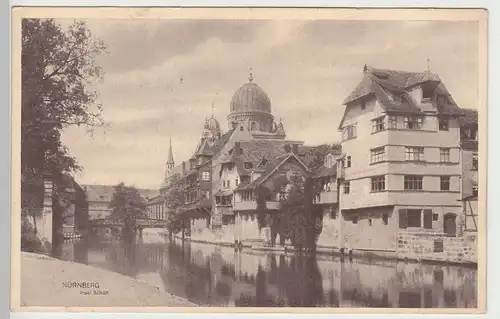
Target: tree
x=298, y=219
x=57, y=68
x=175, y=204
x=127, y=205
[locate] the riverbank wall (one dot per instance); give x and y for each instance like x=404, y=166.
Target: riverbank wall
x=49, y=282
x=413, y=247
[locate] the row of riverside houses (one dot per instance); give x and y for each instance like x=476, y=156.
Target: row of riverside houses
x=404, y=184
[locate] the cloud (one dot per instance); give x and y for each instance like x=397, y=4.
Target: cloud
x=306, y=67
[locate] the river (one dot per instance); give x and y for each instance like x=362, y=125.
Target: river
x=210, y=275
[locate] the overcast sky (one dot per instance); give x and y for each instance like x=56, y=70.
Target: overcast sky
x=306, y=67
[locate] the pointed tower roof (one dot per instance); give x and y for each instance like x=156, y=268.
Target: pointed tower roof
x=170, y=159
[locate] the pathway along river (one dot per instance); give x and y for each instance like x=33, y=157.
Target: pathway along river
x=209, y=275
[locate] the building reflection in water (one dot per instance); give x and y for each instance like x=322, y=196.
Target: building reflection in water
x=218, y=276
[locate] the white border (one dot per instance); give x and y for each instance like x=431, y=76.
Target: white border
x=493, y=309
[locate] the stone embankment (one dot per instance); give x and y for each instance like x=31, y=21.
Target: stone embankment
x=50, y=282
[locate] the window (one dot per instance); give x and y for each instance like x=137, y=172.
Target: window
x=414, y=153
x=224, y=184
x=205, y=176
x=445, y=183
x=378, y=124
x=355, y=220
x=378, y=155
x=347, y=187
x=427, y=92
x=349, y=132
x=247, y=165
x=393, y=121
x=378, y=183
x=443, y=125
x=369, y=222
x=414, y=218
x=413, y=123
x=475, y=163
x=237, y=182
x=413, y=182
x=444, y=155
x=435, y=217
x=385, y=219
x=348, y=161
x=438, y=245
x=363, y=105
x=427, y=218
x=228, y=183
x=475, y=191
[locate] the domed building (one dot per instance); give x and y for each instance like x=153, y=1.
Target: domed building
x=251, y=107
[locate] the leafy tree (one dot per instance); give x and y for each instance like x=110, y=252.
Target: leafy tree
x=298, y=218
x=57, y=67
x=175, y=204
x=127, y=206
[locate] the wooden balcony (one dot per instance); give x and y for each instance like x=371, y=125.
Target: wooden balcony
x=327, y=198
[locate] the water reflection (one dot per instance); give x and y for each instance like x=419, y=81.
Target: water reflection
x=219, y=276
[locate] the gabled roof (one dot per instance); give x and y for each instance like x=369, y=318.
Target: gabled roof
x=269, y=169
x=385, y=84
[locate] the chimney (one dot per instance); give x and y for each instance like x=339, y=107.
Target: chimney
x=295, y=149
x=183, y=168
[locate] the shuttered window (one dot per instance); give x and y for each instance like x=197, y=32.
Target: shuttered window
x=428, y=218
x=403, y=219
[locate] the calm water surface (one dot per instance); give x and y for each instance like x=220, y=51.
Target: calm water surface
x=218, y=276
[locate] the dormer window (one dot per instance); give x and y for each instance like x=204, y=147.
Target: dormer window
x=247, y=165
x=427, y=92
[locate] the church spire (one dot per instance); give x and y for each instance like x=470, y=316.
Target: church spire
x=170, y=160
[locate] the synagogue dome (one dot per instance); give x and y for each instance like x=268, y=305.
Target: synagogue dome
x=250, y=98
x=212, y=124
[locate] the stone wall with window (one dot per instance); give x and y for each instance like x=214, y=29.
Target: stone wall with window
x=423, y=246
x=370, y=229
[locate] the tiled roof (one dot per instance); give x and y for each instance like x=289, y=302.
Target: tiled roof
x=270, y=166
x=219, y=144
x=104, y=193
x=380, y=82
x=254, y=150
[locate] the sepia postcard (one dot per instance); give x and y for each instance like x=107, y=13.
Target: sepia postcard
x=249, y=160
